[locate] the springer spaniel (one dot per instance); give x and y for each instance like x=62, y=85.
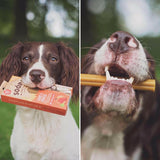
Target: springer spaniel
x=115, y=117
x=39, y=135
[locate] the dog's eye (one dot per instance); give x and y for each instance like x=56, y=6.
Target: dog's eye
x=25, y=58
x=53, y=59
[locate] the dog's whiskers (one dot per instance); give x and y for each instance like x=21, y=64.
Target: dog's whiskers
x=89, y=48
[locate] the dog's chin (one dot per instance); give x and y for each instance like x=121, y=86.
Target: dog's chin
x=115, y=104
x=116, y=96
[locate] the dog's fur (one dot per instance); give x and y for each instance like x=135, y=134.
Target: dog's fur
x=39, y=135
x=115, y=119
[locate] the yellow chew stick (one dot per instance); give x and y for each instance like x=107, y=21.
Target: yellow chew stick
x=98, y=80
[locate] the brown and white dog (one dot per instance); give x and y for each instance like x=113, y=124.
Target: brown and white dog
x=114, y=116
x=39, y=135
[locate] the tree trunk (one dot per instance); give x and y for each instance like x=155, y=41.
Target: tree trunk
x=20, y=24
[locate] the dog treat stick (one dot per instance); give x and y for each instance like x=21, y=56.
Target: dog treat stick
x=98, y=80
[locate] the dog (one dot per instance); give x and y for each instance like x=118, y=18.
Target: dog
x=39, y=135
x=114, y=117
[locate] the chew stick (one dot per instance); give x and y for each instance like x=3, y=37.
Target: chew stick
x=98, y=80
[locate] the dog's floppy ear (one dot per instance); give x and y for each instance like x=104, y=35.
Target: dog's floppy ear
x=70, y=71
x=11, y=65
x=89, y=57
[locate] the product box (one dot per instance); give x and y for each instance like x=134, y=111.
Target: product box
x=54, y=100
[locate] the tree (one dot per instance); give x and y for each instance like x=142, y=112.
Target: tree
x=20, y=23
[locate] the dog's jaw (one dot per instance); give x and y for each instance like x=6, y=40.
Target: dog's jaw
x=116, y=95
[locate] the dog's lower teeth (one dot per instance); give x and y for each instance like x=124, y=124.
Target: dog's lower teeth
x=108, y=77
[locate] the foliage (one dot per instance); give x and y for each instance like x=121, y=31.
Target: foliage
x=38, y=25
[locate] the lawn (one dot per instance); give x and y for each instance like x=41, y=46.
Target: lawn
x=7, y=112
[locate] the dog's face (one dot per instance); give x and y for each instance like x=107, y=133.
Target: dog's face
x=41, y=65
x=124, y=61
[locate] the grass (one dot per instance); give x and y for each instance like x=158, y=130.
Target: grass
x=158, y=72
x=7, y=113
x=74, y=106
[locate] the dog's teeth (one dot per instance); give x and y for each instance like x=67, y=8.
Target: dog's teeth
x=131, y=80
x=108, y=77
x=116, y=78
x=106, y=68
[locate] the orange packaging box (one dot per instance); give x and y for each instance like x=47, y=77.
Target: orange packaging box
x=54, y=101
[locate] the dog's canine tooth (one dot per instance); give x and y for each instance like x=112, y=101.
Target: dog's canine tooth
x=108, y=77
x=131, y=80
x=106, y=68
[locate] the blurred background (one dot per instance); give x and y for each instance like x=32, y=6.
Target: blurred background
x=101, y=18
x=38, y=20
x=34, y=20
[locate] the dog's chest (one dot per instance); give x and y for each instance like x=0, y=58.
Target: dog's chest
x=41, y=130
x=97, y=146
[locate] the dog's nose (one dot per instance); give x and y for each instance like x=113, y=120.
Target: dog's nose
x=121, y=42
x=36, y=76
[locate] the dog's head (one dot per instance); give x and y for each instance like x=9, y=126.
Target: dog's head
x=41, y=65
x=124, y=61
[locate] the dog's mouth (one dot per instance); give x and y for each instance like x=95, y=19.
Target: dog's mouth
x=116, y=72
x=44, y=84
x=117, y=93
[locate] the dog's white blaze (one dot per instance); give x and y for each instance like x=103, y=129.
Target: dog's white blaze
x=40, y=52
x=39, y=64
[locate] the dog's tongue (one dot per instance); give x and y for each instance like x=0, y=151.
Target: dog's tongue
x=116, y=85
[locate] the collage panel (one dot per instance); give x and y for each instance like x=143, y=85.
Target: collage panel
x=39, y=80
x=120, y=73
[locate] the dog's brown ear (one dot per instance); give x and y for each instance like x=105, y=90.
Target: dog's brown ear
x=70, y=71
x=11, y=65
x=87, y=60
x=151, y=64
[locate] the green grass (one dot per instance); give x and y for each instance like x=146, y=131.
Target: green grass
x=7, y=113
x=74, y=106
x=158, y=72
